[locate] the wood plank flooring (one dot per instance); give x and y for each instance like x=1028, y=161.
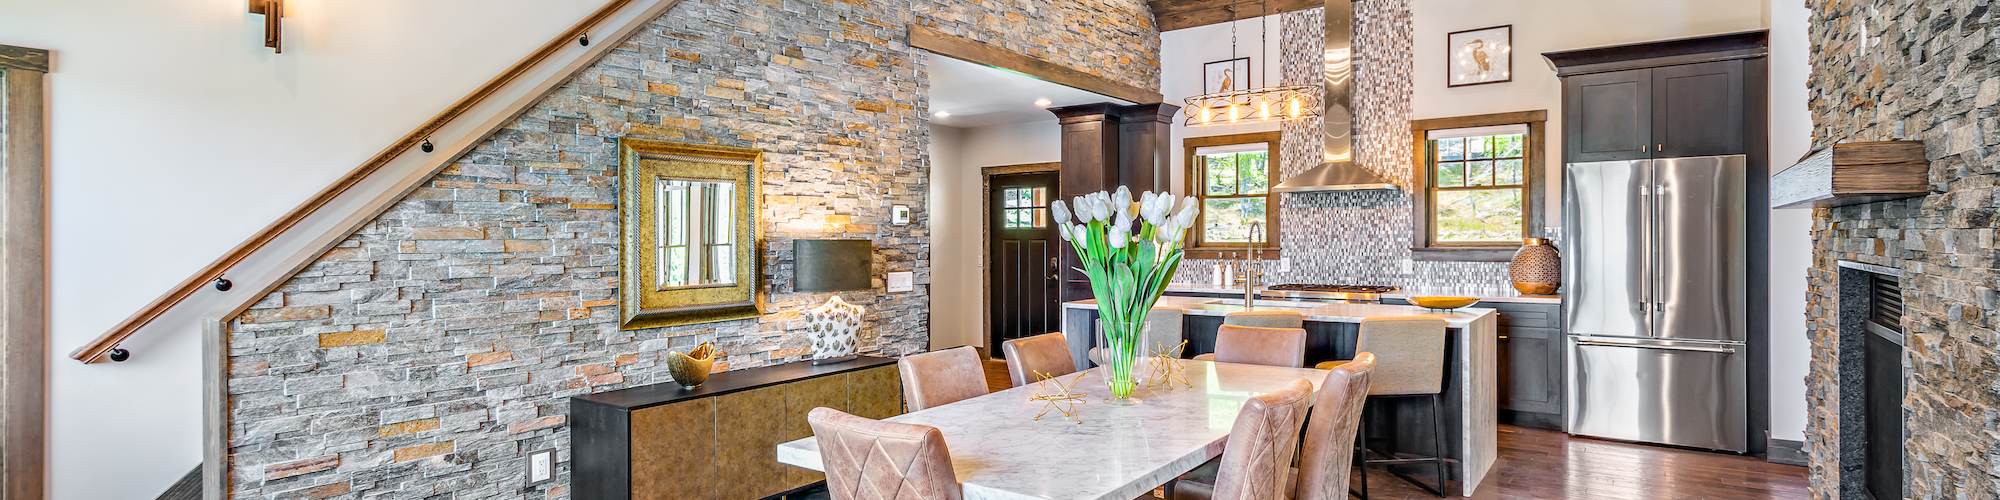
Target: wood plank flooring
x=1542, y=464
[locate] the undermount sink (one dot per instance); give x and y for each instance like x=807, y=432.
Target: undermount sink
x=1268, y=303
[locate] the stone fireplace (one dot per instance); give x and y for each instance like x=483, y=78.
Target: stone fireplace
x=1909, y=70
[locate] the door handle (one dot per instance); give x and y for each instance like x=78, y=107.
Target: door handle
x=1716, y=350
x=1055, y=268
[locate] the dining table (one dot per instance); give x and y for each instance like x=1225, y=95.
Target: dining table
x=1000, y=450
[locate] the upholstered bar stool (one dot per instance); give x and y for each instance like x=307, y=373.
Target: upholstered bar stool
x=1259, y=346
x=1327, y=448
x=1266, y=319
x=1046, y=353
x=874, y=460
x=1409, y=351
x=938, y=378
x=1257, y=463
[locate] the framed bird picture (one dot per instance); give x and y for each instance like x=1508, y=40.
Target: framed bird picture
x=1479, y=57
x=1224, y=76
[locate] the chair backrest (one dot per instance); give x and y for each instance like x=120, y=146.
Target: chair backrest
x=1261, y=346
x=874, y=460
x=1410, y=350
x=1257, y=464
x=1329, y=437
x=1266, y=319
x=1046, y=353
x=941, y=377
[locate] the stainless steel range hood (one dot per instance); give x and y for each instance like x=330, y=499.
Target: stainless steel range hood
x=1339, y=172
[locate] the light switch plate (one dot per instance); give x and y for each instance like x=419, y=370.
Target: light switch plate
x=541, y=466
x=902, y=281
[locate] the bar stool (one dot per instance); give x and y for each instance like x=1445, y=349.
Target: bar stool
x=1409, y=353
x=1259, y=346
x=1163, y=330
x=1266, y=319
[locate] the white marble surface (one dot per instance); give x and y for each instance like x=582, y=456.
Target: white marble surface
x=1483, y=294
x=1000, y=452
x=1337, y=313
x=1479, y=437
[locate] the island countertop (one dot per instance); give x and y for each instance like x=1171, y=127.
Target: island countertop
x=1330, y=312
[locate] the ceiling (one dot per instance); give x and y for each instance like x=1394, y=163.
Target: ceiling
x=977, y=95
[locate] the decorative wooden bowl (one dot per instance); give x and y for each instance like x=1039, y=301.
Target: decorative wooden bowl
x=1443, y=302
x=691, y=369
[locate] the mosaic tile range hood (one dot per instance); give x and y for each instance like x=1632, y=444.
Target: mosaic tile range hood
x=1339, y=172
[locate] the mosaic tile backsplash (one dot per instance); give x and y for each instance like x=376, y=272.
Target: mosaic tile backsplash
x=1356, y=237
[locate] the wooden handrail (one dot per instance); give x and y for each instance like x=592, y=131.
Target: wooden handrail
x=96, y=349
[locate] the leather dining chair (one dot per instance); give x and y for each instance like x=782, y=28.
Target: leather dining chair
x=1327, y=455
x=1259, y=346
x=1047, y=354
x=868, y=459
x=1266, y=319
x=938, y=378
x=1257, y=462
x=1409, y=351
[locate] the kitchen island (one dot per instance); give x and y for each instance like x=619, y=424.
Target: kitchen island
x=1470, y=384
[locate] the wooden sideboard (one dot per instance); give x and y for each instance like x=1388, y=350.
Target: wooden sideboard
x=717, y=441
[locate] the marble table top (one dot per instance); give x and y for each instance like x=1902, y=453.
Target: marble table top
x=999, y=450
x=1327, y=312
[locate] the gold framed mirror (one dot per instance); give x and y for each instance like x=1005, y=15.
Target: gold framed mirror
x=690, y=235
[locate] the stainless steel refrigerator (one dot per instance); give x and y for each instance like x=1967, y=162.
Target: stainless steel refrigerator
x=1654, y=300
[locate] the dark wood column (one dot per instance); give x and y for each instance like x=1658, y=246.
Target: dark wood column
x=1145, y=149
x=1089, y=164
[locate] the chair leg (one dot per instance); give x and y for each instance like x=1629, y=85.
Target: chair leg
x=1437, y=420
x=1361, y=455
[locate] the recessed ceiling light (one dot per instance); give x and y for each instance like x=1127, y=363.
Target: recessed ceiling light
x=1043, y=102
x=941, y=114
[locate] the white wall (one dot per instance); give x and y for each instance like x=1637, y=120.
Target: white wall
x=1791, y=241
x=1547, y=26
x=175, y=135
x=1182, y=54
x=958, y=273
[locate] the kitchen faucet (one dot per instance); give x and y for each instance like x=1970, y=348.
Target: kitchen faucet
x=1250, y=273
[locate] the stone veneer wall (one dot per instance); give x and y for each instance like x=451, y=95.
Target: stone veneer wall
x=1914, y=70
x=431, y=350
x=1356, y=237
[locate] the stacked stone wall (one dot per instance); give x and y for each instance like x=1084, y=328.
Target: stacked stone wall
x=429, y=352
x=1914, y=70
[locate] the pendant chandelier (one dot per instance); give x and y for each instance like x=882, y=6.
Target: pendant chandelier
x=1255, y=105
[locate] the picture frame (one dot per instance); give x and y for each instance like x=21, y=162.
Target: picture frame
x=1479, y=56
x=1226, y=75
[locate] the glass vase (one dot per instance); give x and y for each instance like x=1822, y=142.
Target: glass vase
x=1119, y=345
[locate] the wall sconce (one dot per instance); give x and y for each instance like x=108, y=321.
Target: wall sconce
x=274, y=21
x=833, y=266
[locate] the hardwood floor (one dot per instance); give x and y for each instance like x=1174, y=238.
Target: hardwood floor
x=1542, y=464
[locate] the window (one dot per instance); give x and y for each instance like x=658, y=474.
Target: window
x=1232, y=176
x=1025, y=207
x=1478, y=189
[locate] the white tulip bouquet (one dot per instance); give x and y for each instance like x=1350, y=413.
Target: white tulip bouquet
x=1129, y=267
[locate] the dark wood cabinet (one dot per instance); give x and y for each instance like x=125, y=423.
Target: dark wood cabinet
x=718, y=441
x=1530, y=361
x=1665, y=112
x=1608, y=116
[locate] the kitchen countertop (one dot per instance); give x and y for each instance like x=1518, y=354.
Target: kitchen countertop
x=1330, y=312
x=1484, y=294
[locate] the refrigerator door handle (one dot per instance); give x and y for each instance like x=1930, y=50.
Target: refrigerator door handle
x=1715, y=350
x=1654, y=267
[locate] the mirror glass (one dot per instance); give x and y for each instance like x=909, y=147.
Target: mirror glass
x=697, y=243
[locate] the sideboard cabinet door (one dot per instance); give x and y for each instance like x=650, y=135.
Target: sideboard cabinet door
x=673, y=451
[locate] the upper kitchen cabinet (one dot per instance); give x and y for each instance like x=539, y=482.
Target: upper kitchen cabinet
x=1673, y=98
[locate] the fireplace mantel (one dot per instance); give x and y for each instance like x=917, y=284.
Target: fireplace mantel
x=1853, y=173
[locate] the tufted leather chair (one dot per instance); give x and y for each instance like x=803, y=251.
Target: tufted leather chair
x=1046, y=353
x=1266, y=319
x=1328, y=452
x=1256, y=465
x=874, y=460
x=1259, y=346
x=938, y=378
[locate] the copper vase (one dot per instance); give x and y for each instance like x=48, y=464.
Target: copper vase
x=1537, y=268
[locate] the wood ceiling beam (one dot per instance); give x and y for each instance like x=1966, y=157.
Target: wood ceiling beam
x=1171, y=15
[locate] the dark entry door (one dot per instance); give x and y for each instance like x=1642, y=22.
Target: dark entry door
x=1024, y=257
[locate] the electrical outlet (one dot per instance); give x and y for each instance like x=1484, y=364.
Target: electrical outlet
x=1409, y=266
x=1284, y=264
x=541, y=466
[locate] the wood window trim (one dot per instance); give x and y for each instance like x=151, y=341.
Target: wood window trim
x=1534, y=207
x=1273, y=249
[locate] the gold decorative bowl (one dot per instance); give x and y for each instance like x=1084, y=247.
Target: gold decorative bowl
x=691, y=369
x=1443, y=302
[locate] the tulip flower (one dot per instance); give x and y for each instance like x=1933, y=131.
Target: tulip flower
x=1061, y=212
x=1062, y=229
